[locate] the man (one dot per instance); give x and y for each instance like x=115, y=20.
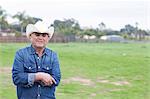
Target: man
x=36, y=71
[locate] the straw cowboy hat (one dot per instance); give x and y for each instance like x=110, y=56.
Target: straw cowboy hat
x=39, y=27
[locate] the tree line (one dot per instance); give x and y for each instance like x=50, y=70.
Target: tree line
x=69, y=27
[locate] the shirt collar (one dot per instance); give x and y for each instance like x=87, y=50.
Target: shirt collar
x=32, y=51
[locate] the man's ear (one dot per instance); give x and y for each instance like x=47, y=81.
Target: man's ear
x=30, y=36
x=49, y=38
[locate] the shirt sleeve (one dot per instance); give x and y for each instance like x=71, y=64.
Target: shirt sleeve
x=19, y=76
x=56, y=73
x=31, y=79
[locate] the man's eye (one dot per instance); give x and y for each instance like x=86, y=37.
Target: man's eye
x=36, y=34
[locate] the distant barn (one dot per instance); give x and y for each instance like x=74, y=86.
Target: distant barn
x=112, y=38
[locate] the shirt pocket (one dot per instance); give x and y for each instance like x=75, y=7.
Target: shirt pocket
x=47, y=69
x=30, y=68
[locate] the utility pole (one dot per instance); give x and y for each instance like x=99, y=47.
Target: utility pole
x=0, y=28
x=136, y=30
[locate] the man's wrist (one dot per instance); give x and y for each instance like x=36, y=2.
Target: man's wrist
x=38, y=76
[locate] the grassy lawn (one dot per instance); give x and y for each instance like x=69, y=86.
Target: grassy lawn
x=90, y=70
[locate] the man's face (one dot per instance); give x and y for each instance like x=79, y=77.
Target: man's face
x=39, y=40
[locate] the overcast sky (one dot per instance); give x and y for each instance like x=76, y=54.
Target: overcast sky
x=114, y=13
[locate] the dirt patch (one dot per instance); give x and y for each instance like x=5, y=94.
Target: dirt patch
x=103, y=81
x=117, y=83
x=93, y=94
x=81, y=80
x=5, y=69
x=120, y=83
x=89, y=82
x=102, y=91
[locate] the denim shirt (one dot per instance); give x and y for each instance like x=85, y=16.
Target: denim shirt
x=26, y=64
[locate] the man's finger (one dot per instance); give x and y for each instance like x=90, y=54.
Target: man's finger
x=53, y=80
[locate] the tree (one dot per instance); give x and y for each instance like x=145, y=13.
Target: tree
x=24, y=20
x=3, y=22
x=141, y=34
x=102, y=26
x=90, y=32
x=67, y=26
x=129, y=29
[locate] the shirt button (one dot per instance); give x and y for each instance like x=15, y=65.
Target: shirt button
x=29, y=67
x=39, y=67
x=47, y=68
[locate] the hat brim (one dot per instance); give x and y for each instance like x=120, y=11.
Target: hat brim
x=33, y=28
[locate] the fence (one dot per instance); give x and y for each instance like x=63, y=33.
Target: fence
x=8, y=39
x=57, y=37
x=23, y=39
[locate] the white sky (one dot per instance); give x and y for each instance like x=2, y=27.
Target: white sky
x=114, y=13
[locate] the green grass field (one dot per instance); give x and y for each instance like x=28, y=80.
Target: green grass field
x=90, y=70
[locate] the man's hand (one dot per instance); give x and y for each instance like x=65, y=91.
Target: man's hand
x=46, y=78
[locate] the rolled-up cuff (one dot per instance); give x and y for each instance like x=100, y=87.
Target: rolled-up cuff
x=31, y=78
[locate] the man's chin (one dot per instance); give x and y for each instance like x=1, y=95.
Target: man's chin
x=40, y=46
